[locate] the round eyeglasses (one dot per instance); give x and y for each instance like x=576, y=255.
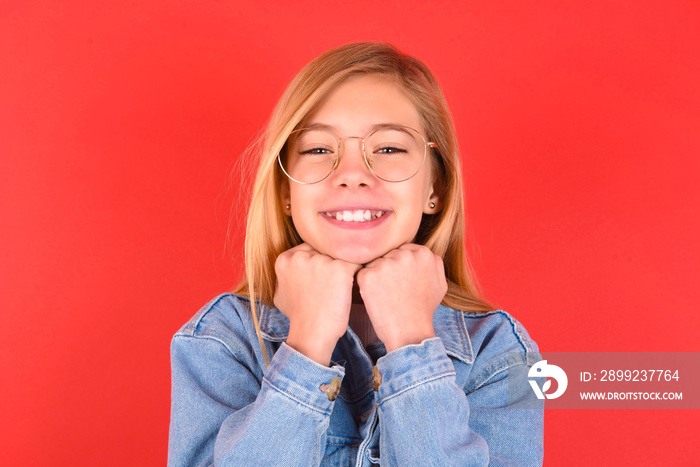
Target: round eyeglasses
x=393, y=153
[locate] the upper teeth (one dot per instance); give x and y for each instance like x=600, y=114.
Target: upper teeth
x=360, y=215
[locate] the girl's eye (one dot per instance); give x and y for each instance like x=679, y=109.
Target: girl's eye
x=316, y=151
x=389, y=150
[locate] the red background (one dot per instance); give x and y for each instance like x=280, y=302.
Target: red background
x=121, y=124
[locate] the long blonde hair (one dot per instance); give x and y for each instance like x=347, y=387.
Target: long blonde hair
x=269, y=231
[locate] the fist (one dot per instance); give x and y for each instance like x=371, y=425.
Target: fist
x=315, y=292
x=401, y=291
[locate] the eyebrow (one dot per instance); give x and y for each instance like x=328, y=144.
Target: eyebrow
x=372, y=129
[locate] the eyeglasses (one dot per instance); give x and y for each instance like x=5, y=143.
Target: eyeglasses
x=393, y=153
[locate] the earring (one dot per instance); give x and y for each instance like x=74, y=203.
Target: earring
x=432, y=205
x=288, y=207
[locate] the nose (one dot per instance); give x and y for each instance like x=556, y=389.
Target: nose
x=352, y=170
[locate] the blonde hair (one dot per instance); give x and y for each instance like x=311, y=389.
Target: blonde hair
x=269, y=231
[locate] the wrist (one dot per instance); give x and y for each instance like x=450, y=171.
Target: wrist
x=408, y=338
x=317, y=348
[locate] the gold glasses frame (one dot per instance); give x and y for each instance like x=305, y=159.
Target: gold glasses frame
x=366, y=158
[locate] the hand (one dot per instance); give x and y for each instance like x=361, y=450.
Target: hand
x=401, y=291
x=315, y=292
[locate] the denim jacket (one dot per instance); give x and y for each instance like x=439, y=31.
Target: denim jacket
x=443, y=402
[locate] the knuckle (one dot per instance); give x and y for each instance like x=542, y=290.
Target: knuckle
x=316, y=260
x=364, y=276
x=300, y=257
x=281, y=262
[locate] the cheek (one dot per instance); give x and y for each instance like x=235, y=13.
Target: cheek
x=423, y=190
x=297, y=199
x=301, y=217
x=414, y=200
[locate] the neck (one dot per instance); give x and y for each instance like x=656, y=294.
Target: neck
x=359, y=320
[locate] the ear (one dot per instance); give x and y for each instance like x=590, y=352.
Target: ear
x=285, y=197
x=433, y=203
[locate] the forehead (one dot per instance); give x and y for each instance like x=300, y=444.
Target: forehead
x=363, y=102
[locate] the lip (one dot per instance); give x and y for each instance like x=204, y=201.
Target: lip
x=368, y=224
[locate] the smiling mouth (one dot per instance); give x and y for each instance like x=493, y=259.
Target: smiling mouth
x=359, y=215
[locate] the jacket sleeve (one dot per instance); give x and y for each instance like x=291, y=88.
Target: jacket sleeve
x=453, y=425
x=223, y=415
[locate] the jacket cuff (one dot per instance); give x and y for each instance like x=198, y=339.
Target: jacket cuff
x=411, y=366
x=301, y=379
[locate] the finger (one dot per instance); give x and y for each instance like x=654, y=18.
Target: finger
x=442, y=275
x=391, y=254
x=440, y=265
x=307, y=251
x=302, y=247
x=352, y=267
x=411, y=247
x=396, y=253
x=376, y=262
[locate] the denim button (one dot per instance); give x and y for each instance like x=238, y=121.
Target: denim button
x=376, y=377
x=332, y=389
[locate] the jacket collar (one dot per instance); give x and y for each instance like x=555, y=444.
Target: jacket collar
x=448, y=323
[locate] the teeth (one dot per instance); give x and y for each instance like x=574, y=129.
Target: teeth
x=360, y=215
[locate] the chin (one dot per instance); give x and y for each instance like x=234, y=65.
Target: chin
x=357, y=255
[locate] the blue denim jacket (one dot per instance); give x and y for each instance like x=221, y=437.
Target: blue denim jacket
x=443, y=402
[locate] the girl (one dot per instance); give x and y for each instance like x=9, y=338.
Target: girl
x=357, y=335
